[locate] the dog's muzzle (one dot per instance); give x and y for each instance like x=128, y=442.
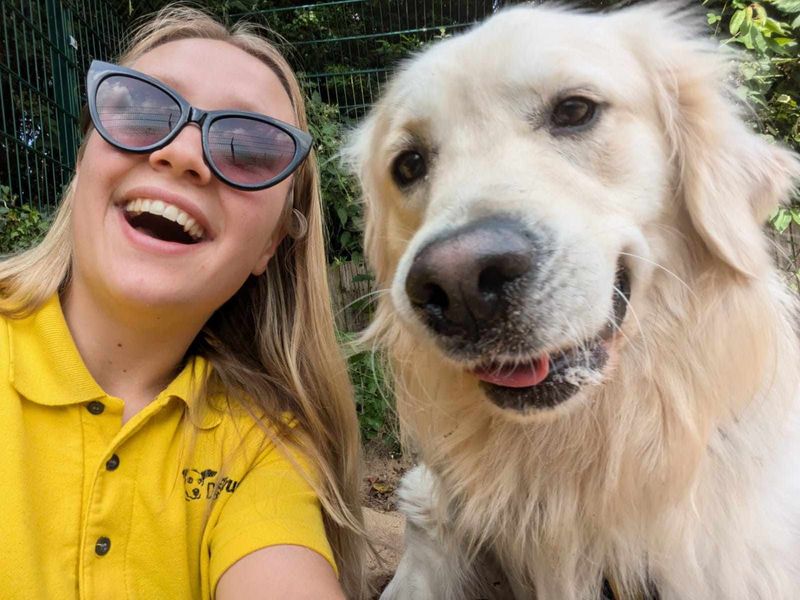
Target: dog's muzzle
x=469, y=288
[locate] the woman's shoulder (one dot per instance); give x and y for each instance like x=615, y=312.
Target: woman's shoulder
x=241, y=422
x=23, y=325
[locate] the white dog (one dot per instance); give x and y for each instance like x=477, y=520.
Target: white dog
x=593, y=352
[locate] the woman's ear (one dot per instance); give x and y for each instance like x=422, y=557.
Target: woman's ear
x=730, y=178
x=272, y=246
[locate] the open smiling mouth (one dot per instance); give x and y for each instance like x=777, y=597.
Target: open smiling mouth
x=550, y=378
x=163, y=222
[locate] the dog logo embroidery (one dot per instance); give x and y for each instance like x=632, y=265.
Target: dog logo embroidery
x=199, y=484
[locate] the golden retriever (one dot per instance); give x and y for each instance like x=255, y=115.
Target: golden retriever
x=593, y=352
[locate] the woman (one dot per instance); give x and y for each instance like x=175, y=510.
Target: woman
x=177, y=420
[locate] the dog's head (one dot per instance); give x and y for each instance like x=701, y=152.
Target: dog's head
x=530, y=181
x=193, y=481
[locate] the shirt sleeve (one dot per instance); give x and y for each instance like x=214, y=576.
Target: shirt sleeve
x=272, y=505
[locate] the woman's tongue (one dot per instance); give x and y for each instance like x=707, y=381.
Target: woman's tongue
x=516, y=376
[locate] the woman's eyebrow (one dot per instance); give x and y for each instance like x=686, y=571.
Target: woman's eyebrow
x=235, y=103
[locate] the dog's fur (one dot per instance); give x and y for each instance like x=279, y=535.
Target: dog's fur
x=679, y=466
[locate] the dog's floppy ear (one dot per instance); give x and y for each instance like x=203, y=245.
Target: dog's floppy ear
x=729, y=177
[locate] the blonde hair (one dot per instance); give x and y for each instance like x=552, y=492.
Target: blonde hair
x=272, y=345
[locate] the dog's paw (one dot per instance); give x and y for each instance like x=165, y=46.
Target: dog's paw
x=418, y=499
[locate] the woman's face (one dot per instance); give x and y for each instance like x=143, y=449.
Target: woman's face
x=116, y=260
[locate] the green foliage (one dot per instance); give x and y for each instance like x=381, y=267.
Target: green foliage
x=339, y=191
x=393, y=52
x=374, y=401
x=785, y=217
x=770, y=77
x=20, y=225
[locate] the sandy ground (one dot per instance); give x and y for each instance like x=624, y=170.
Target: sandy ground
x=386, y=531
x=384, y=524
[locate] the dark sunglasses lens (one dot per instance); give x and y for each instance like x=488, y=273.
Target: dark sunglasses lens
x=249, y=152
x=135, y=113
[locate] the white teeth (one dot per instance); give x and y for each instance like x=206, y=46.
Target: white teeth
x=171, y=213
x=157, y=207
x=168, y=211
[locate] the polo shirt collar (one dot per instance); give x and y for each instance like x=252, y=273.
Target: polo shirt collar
x=44, y=358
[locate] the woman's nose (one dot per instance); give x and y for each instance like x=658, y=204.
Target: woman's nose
x=184, y=156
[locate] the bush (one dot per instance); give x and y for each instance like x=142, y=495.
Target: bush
x=769, y=79
x=20, y=225
x=374, y=400
x=339, y=188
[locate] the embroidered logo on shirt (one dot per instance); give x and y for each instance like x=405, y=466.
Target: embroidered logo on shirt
x=201, y=484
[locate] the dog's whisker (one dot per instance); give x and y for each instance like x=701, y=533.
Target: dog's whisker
x=632, y=311
x=663, y=268
x=372, y=296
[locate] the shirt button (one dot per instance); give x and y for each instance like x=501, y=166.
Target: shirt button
x=112, y=463
x=102, y=546
x=95, y=407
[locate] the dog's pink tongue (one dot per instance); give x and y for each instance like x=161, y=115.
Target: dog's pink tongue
x=519, y=376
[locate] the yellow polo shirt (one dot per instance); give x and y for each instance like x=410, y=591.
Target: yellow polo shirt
x=157, y=508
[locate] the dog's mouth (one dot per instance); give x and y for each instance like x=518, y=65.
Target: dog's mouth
x=547, y=379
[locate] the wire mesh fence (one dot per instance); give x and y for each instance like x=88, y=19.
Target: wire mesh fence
x=46, y=48
x=345, y=49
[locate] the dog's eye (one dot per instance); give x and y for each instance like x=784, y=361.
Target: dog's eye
x=573, y=112
x=408, y=167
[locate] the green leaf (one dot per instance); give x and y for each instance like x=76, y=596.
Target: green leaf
x=341, y=212
x=758, y=40
x=773, y=26
x=781, y=220
x=736, y=22
x=790, y=6
x=750, y=37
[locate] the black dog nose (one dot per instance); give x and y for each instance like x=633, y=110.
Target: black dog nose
x=460, y=281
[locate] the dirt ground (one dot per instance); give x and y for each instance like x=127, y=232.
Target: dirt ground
x=385, y=525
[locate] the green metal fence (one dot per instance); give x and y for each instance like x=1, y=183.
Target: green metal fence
x=344, y=49
x=45, y=49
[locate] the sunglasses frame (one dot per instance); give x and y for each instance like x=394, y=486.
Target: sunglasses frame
x=99, y=71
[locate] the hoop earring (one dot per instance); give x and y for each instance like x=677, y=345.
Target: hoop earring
x=297, y=227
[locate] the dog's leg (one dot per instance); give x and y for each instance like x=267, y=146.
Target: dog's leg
x=427, y=571
x=433, y=567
